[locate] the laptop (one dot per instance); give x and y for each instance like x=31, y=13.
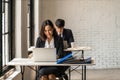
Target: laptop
x=44, y=54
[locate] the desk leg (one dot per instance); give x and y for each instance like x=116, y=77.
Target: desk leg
x=82, y=54
x=22, y=71
x=70, y=73
x=85, y=72
x=36, y=72
x=82, y=72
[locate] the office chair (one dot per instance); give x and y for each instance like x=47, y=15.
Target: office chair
x=62, y=76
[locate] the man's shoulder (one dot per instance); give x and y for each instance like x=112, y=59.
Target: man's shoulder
x=69, y=30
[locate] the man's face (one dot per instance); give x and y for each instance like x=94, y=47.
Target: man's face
x=59, y=30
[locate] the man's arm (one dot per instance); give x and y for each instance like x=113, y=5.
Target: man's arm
x=70, y=37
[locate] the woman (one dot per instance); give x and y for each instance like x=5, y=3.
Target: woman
x=49, y=39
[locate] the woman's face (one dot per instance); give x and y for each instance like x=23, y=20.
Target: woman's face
x=48, y=31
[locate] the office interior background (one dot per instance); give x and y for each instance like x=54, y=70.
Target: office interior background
x=94, y=23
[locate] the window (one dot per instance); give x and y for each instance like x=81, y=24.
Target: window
x=6, y=34
x=0, y=37
x=30, y=23
x=7, y=31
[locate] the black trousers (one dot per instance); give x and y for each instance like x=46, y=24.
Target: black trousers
x=46, y=70
x=56, y=70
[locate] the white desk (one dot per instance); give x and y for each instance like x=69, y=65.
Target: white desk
x=22, y=62
x=79, y=49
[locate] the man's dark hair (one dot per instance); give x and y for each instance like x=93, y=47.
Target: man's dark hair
x=60, y=23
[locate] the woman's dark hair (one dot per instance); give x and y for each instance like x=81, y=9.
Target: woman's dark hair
x=44, y=24
x=60, y=23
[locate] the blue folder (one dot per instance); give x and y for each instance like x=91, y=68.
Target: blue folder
x=64, y=58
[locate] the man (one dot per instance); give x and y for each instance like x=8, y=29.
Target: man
x=68, y=39
x=66, y=34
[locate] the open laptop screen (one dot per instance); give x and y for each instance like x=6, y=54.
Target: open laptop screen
x=44, y=54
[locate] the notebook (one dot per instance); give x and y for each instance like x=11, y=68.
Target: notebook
x=44, y=54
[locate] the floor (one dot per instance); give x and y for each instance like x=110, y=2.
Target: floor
x=98, y=74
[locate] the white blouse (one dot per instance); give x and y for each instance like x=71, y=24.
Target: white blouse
x=49, y=45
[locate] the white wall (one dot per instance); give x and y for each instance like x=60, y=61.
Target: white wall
x=95, y=23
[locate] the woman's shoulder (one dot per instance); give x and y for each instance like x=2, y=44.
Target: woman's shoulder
x=40, y=42
x=39, y=39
